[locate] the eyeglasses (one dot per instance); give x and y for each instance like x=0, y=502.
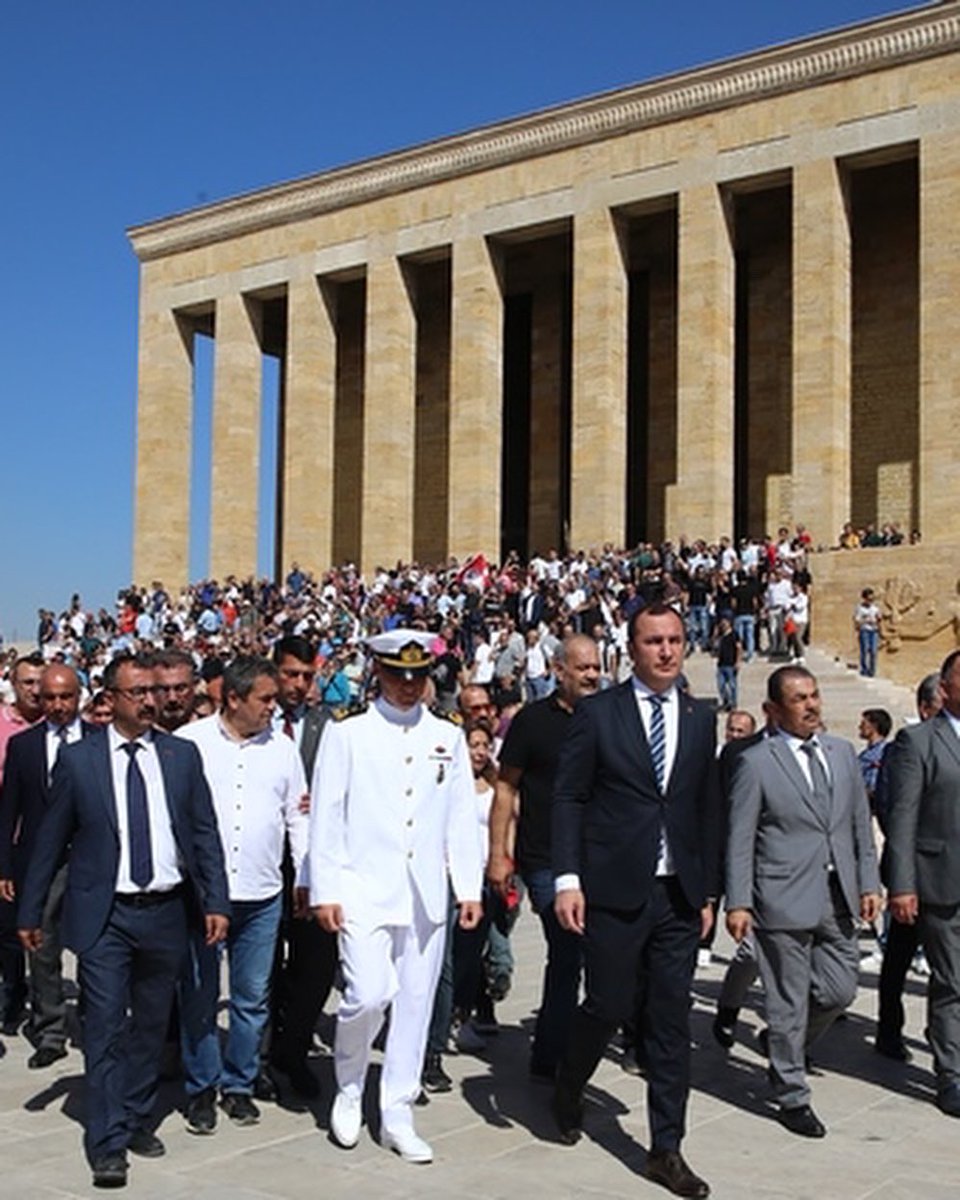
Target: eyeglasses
x=135, y=693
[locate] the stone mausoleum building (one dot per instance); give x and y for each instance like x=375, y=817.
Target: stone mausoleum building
x=716, y=302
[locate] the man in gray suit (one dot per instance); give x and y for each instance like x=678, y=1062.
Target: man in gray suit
x=801, y=867
x=923, y=827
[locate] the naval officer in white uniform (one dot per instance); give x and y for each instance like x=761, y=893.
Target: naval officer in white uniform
x=393, y=813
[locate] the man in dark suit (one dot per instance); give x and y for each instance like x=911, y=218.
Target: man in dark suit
x=134, y=808
x=924, y=864
x=303, y=979
x=801, y=868
x=24, y=798
x=636, y=858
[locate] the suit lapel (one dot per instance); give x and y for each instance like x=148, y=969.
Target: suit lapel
x=944, y=731
x=684, y=721
x=100, y=753
x=633, y=730
x=168, y=771
x=791, y=768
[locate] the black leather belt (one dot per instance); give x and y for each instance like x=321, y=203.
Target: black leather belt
x=149, y=899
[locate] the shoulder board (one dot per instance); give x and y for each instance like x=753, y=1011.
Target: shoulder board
x=354, y=710
x=454, y=717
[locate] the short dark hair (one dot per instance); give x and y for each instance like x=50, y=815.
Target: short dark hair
x=780, y=676
x=949, y=663
x=142, y=660
x=657, y=609
x=240, y=675
x=172, y=658
x=296, y=647
x=34, y=659
x=212, y=668
x=927, y=689
x=880, y=719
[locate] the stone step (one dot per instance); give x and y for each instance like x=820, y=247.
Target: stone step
x=845, y=692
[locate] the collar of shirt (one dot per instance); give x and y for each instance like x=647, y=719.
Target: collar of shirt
x=73, y=729
x=954, y=721
x=796, y=745
x=117, y=741
x=255, y=738
x=642, y=691
x=398, y=716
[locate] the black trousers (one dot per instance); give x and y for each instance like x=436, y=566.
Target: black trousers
x=902, y=943
x=650, y=953
x=13, y=966
x=127, y=979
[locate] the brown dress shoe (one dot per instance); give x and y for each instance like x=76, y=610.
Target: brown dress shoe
x=667, y=1167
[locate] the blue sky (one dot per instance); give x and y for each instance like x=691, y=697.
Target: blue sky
x=115, y=113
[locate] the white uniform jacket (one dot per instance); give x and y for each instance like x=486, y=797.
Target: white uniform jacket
x=393, y=808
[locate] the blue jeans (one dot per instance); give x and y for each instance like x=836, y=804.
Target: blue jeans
x=727, y=686
x=698, y=624
x=250, y=946
x=745, y=629
x=868, y=651
x=443, y=997
x=561, y=975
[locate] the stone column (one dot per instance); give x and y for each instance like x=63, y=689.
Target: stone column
x=476, y=400
x=700, y=504
x=161, y=548
x=821, y=351
x=939, y=336
x=598, y=451
x=389, y=418
x=237, y=384
x=310, y=394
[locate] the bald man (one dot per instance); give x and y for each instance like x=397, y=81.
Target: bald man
x=23, y=802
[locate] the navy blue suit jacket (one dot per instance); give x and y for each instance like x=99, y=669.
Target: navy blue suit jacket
x=83, y=815
x=24, y=798
x=608, y=812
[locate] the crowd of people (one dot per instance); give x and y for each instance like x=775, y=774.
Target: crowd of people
x=351, y=782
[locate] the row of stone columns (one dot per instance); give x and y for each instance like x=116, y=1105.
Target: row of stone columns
x=700, y=501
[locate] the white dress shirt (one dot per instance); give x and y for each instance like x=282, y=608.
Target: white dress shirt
x=800, y=755
x=163, y=847
x=55, y=740
x=671, y=727
x=257, y=785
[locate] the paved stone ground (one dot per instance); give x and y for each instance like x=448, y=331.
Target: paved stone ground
x=493, y=1136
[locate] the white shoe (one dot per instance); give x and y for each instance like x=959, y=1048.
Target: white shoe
x=345, y=1119
x=406, y=1143
x=704, y=958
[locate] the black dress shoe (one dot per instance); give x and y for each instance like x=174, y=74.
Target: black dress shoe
x=802, y=1120
x=568, y=1113
x=110, y=1171
x=146, y=1144
x=725, y=1026
x=46, y=1056
x=948, y=1100
x=264, y=1088
x=668, y=1167
x=892, y=1048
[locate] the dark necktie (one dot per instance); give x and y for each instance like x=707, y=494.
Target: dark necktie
x=818, y=777
x=138, y=821
x=658, y=738
x=288, y=726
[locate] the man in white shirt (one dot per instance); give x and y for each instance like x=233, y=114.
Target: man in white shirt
x=394, y=811
x=257, y=781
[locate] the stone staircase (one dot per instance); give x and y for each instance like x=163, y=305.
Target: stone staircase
x=845, y=693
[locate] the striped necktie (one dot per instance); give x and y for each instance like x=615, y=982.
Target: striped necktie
x=658, y=737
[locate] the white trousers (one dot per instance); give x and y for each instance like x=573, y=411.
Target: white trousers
x=383, y=966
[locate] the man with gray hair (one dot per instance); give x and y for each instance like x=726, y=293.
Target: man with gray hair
x=257, y=782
